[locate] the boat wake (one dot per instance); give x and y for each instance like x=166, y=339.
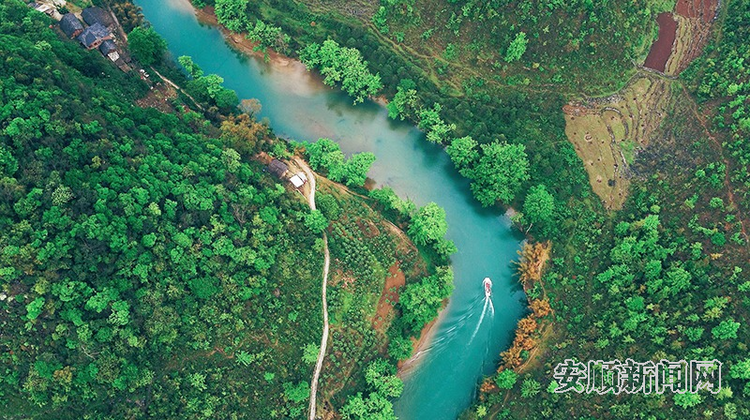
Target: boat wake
x=487, y=283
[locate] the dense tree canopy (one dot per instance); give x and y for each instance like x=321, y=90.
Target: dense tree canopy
x=232, y=14
x=428, y=224
x=326, y=155
x=539, y=206
x=141, y=253
x=501, y=171
x=516, y=48
x=344, y=66
x=146, y=45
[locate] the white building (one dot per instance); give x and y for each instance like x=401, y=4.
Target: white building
x=298, y=180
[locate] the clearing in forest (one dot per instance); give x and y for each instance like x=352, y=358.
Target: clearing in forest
x=693, y=20
x=608, y=132
x=388, y=299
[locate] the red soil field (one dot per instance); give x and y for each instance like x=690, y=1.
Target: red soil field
x=703, y=9
x=662, y=48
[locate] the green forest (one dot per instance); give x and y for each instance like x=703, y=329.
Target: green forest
x=151, y=267
x=663, y=278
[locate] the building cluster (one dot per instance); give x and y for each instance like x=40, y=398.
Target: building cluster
x=98, y=33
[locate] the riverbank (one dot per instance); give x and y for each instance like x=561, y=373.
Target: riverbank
x=207, y=15
x=420, y=345
x=298, y=106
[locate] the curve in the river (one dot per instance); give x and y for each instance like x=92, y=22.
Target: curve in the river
x=299, y=106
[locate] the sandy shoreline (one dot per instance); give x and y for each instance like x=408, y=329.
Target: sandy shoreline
x=425, y=339
x=208, y=16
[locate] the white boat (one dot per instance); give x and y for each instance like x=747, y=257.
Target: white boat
x=487, y=287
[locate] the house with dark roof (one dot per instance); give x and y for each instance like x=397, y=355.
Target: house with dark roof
x=107, y=46
x=278, y=168
x=94, y=15
x=94, y=35
x=70, y=25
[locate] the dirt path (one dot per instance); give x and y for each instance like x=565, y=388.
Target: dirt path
x=326, y=265
x=174, y=85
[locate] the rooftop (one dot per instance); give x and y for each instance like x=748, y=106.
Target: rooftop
x=92, y=15
x=298, y=180
x=107, y=46
x=92, y=34
x=70, y=24
x=278, y=168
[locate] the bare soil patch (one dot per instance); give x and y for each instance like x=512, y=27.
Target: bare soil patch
x=705, y=10
x=388, y=299
x=682, y=35
x=160, y=97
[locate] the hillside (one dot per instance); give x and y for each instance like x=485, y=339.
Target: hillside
x=656, y=271
x=150, y=266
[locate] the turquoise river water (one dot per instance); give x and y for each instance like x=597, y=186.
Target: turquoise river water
x=445, y=374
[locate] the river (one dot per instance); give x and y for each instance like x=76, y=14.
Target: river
x=299, y=106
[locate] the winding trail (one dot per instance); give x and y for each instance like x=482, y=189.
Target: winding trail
x=324, y=339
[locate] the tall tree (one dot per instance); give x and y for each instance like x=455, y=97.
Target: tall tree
x=428, y=225
x=516, y=48
x=147, y=45
x=539, y=205
x=501, y=171
x=463, y=152
x=233, y=14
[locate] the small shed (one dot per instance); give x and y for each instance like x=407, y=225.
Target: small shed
x=94, y=35
x=278, y=168
x=107, y=47
x=94, y=15
x=70, y=25
x=297, y=181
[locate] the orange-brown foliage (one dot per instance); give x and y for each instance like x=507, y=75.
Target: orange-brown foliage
x=242, y=132
x=533, y=258
x=540, y=307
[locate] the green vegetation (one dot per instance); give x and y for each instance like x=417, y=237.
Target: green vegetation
x=539, y=206
x=147, y=46
x=382, y=384
x=365, y=249
x=325, y=155
x=268, y=36
x=500, y=172
x=721, y=75
x=506, y=379
x=651, y=281
x=516, y=48
x=208, y=88
x=664, y=278
x=232, y=14
x=421, y=302
x=148, y=265
x=342, y=65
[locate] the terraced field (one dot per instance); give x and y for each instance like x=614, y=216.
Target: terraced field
x=607, y=133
